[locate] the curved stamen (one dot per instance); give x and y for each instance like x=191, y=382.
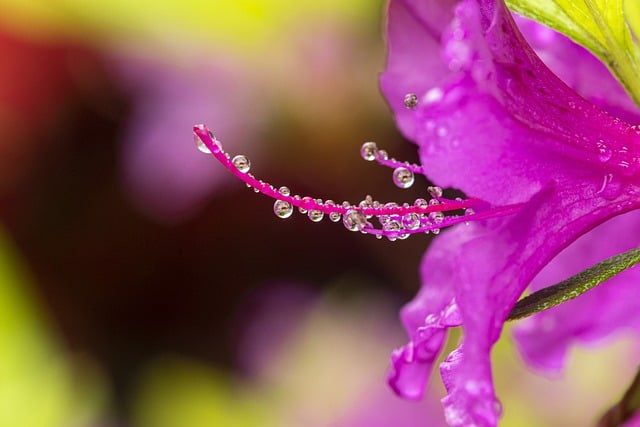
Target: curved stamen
x=396, y=221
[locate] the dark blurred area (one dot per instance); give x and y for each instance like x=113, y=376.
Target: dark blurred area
x=124, y=286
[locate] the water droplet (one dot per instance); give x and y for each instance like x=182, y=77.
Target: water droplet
x=611, y=187
x=442, y=131
x=433, y=95
x=368, y=151
x=435, y=192
x=200, y=144
x=282, y=209
x=284, y=191
x=604, y=152
x=436, y=217
x=420, y=203
x=411, y=101
x=315, y=215
x=403, y=177
x=391, y=228
x=411, y=221
x=497, y=407
x=469, y=211
x=306, y=200
x=354, y=220
x=335, y=216
x=382, y=155
x=242, y=163
x=366, y=203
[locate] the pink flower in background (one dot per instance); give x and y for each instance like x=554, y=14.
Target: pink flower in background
x=164, y=180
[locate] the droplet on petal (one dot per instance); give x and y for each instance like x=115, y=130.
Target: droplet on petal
x=242, y=163
x=604, y=152
x=411, y=101
x=368, y=151
x=403, y=177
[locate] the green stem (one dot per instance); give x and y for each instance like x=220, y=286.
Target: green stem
x=574, y=286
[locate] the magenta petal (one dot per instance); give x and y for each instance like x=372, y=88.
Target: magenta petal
x=500, y=126
x=497, y=268
x=591, y=79
x=613, y=306
x=428, y=317
x=500, y=115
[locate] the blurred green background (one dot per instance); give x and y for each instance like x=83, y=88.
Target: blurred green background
x=141, y=286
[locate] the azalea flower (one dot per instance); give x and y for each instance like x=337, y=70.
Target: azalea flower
x=496, y=123
x=544, y=161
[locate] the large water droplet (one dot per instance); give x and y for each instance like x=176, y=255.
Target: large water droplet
x=242, y=163
x=403, y=177
x=411, y=101
x=282, y=209
x=354, y=220
x=200, y=144
x=368, y=151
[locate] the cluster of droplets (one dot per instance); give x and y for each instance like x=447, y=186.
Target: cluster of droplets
x=403, y=172
x=381, y=219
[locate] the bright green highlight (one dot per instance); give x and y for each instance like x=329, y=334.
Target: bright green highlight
x=176, y=392
x=574, y=286
x=210, y=23
x=602, y=26
x=38, y=386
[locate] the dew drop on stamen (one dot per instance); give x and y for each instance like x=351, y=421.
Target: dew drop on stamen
x=307, y=200
x=411, y=101
x=315, y=215
x=411, y=221
x=368, y=151
x=403, y=177
x=284, y=191
x=282, y=209
x=201, y=145
x=435, y=192
x=382, y=155
x=354, y=220
x=333, y=216
x=242, y=163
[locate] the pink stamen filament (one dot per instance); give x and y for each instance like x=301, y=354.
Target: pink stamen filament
x=427, y=222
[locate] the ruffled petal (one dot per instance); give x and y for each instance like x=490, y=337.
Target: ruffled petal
x=494, y=269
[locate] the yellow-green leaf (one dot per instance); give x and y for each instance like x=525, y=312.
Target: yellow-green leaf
x=602, y=26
